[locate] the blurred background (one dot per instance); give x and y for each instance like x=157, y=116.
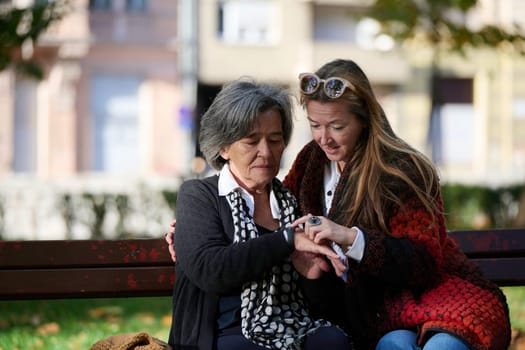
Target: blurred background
x=100, y=100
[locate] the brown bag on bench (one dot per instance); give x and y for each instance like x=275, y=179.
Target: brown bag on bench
x=131, y=341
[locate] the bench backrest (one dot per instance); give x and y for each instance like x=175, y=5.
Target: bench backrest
x=85, y=268
x=500, y=253
x=142, y=267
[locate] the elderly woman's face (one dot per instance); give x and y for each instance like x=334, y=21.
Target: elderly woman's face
x=335, y=129
x=254, y=160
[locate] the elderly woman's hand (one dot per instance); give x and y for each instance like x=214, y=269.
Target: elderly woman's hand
x=169, y=239
x=309, y=257
x=305, y=244
x=309, y=265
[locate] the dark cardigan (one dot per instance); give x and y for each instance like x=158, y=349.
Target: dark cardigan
x=209, y=264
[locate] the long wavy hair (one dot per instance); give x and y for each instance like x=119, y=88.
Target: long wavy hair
x=383, y=167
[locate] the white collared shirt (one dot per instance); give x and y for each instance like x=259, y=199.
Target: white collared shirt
x=331, y=179
x=332, y=175
x=227, y=184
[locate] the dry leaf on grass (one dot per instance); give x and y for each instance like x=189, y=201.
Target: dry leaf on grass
x=105, y=311
x=48, y=328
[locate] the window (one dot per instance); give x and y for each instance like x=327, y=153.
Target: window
x=518, y=108
x=452, y=123
x=136, y=5
x=248, y=22
x=334, y=23
x=457, y=122
x=100, y=5
x=25, y=127
x=107, y=5
x=115, y=136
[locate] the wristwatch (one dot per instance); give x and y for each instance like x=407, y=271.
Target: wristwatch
x=289, y=236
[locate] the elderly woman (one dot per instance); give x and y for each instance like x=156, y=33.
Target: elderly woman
x=236, y=287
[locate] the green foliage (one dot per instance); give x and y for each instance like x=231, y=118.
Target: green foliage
x=104, y=215
x=442, y=24
x=19, y=26
x=171, y=199
x=516, y=301
x=123, y=208
x=470, y=206
x=98, y=205
x=67, y=212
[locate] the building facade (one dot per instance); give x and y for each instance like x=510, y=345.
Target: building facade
x=110, y=102
x=477, y=130
x=126, y=82
x=108, y=116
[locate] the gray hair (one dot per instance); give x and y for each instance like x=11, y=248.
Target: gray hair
x=234, y=112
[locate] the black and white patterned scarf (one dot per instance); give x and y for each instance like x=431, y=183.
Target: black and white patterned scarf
x=273, y=311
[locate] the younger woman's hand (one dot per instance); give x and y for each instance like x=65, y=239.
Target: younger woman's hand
x=338, y=265
x=321, y=229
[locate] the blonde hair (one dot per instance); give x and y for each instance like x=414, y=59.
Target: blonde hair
x=383, y=167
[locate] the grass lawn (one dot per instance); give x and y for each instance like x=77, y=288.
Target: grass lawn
x=516, y=300
x=77, y=324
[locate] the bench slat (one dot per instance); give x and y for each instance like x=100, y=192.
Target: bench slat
x=83, y=253
x=491, y=243
x=83, y=283
x=143, y=267
x=503, y=271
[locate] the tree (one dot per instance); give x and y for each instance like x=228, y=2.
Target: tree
x=443, y=26
x=22, y=27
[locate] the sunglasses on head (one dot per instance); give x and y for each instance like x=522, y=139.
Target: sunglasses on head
x=333, y=87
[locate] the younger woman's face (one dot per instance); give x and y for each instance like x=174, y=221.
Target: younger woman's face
x=335, y=129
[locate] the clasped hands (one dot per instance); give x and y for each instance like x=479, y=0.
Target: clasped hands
x=313, y=236
x=312, y=245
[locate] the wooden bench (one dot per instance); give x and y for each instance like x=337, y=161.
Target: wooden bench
x=85, y=268
x=499, y=253
x=142, y=267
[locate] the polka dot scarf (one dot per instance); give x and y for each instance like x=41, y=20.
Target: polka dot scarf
x=273, y=311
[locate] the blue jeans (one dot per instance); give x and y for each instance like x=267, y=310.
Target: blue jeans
x=403, y=339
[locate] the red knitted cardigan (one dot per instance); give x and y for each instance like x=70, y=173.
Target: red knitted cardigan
x=444, y=291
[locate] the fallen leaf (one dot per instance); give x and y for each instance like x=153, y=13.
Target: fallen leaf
x=48, y=328
x=166, y=320
x=105, y=311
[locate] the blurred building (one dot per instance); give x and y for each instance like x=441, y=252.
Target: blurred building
x=477, y=133
x=126, y=82
x=109, y=116
x=111, y=100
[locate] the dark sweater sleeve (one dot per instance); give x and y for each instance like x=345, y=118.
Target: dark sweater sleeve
x=205, y=251
x=398, y=263
x=325, y=297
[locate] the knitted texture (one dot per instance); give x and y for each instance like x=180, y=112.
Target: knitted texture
x=132, y=341
x=413, y=276
x=463, y=301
